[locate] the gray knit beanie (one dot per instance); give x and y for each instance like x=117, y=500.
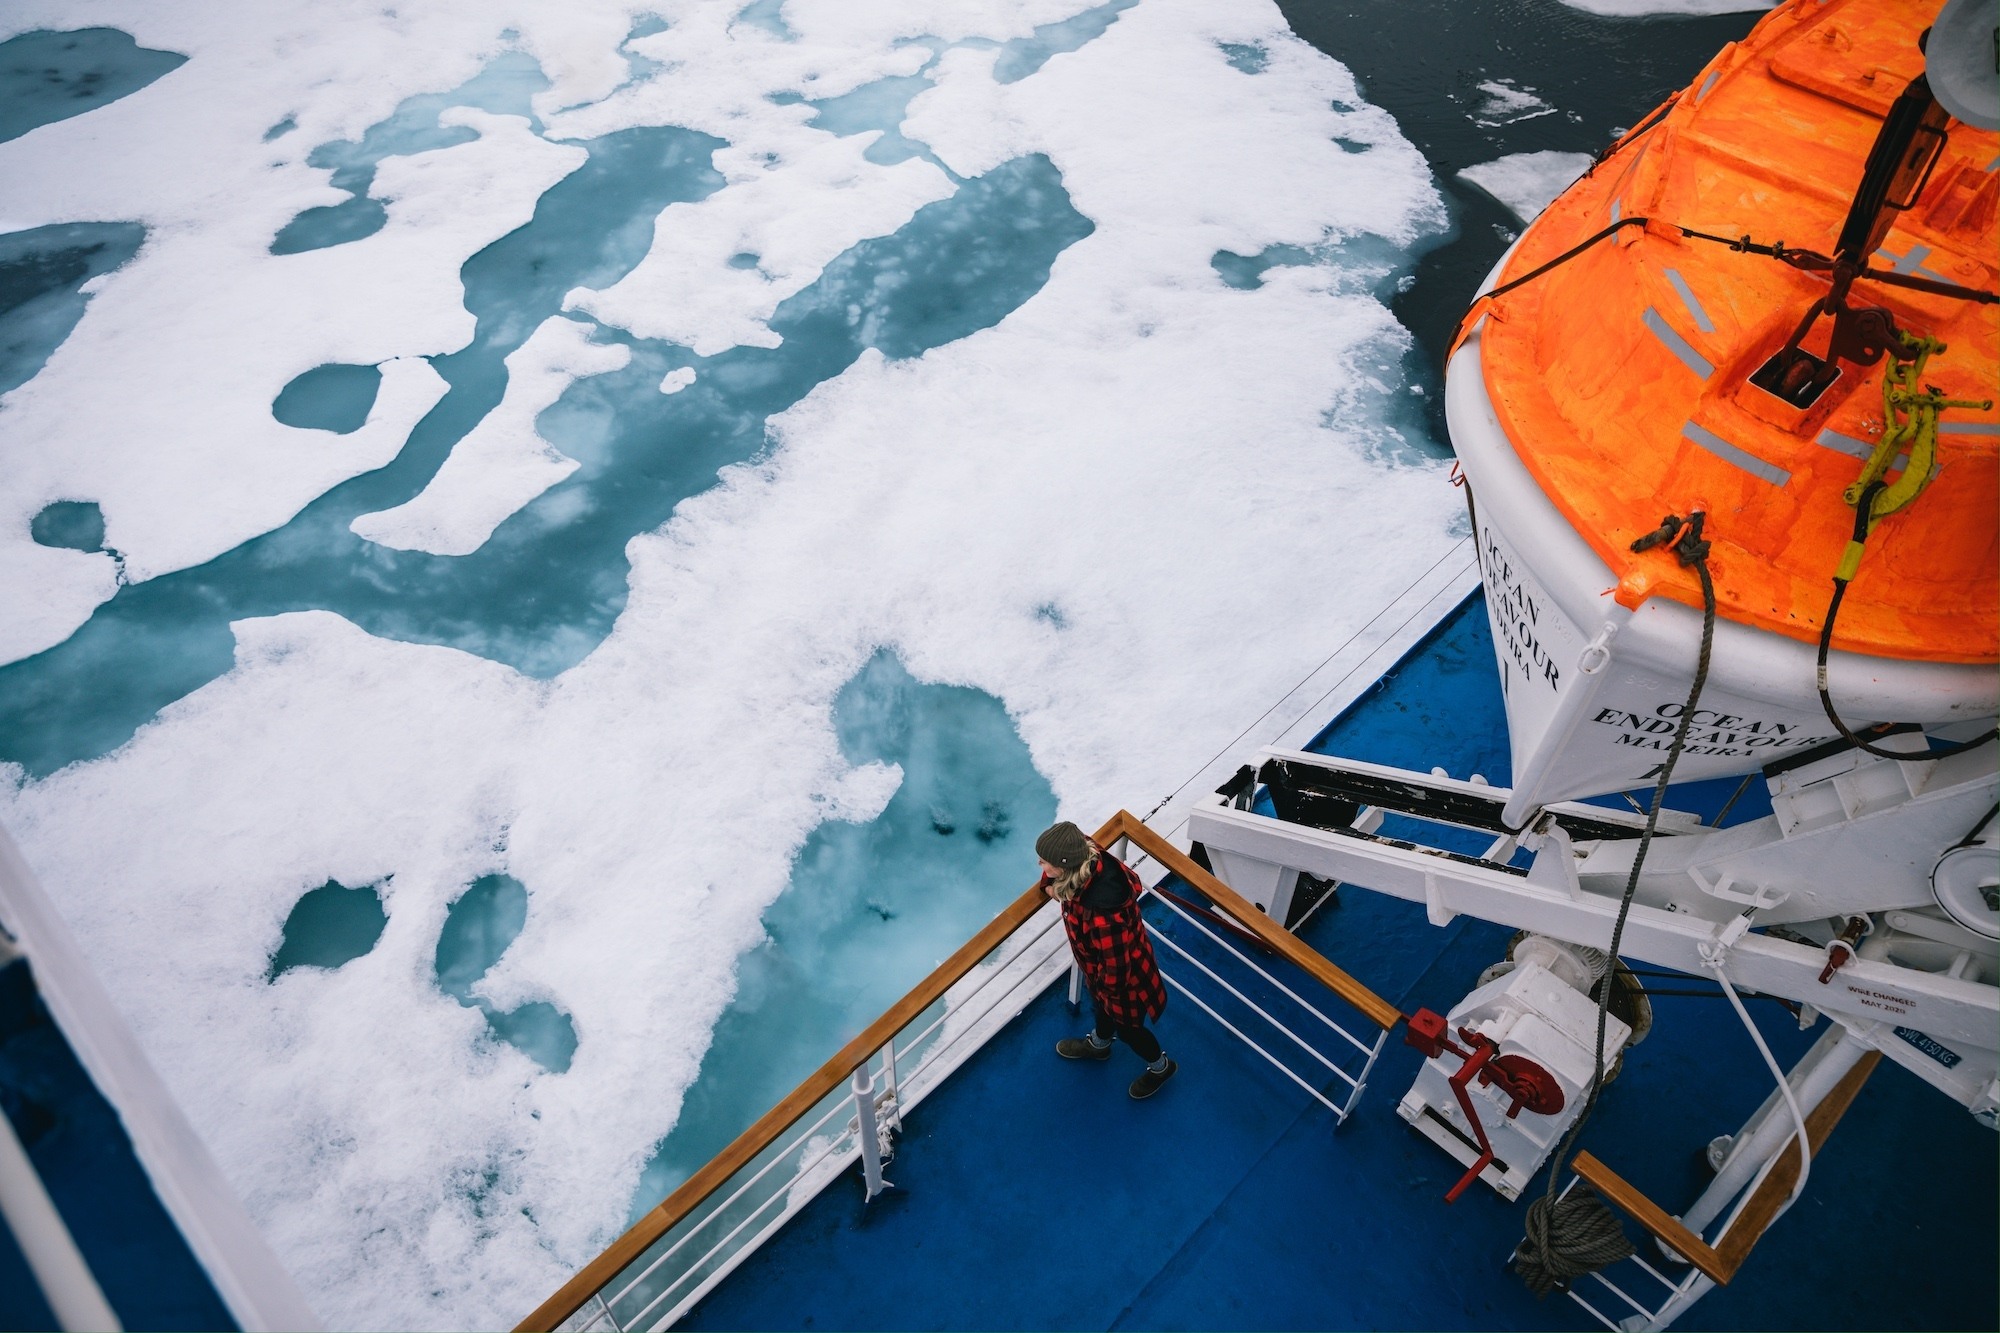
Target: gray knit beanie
x=1063, y=846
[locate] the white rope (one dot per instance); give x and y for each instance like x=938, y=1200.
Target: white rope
x=1714, y=957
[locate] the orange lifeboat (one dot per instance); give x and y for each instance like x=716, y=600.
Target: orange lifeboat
x=1722, y=319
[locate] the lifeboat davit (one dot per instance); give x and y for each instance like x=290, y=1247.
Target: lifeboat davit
x=1790, y=260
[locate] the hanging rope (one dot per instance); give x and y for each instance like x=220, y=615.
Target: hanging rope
x=1565, y=1236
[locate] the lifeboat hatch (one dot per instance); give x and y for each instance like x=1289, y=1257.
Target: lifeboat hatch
x=1796, y=377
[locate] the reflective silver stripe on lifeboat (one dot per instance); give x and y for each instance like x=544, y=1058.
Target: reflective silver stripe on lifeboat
x=1863, y=449
x=1676, y=344
x=1968, y=428
x=1730, y=453
x=1845, y=444
x=1708, y=83
x=1691, y=301
x=1911, y=262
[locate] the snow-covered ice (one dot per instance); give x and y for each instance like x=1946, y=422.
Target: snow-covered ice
x=1113, y=497
x=502, y=463
x=1506, y=103
x=1528, y=182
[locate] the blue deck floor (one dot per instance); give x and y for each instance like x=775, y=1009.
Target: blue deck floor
x=1035, y=1194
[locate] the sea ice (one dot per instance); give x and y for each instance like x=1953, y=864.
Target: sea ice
x=1019, y=439
x=1528, y=182
x=502, y=464
x=1640, y=8
x=1506, y=103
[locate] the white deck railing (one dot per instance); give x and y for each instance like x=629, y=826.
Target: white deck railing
x=849, y=1110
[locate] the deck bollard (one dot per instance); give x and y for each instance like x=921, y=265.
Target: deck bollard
x=867, y=1134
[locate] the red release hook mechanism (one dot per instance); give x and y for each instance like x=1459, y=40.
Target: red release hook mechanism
x=1523, y=1082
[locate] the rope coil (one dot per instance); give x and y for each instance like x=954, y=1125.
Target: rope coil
x=1568, y=1238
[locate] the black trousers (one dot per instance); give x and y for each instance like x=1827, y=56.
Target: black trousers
x=1143, y=1043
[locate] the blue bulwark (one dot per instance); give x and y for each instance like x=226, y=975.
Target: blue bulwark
x=78, y=1147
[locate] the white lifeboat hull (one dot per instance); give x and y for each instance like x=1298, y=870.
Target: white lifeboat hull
x=1594, y=693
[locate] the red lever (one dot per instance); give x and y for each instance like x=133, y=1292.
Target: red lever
x=1525, y=1084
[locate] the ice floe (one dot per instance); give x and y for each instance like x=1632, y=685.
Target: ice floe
x=1135, y=509
x=502, y=463
x=1506, y=103
x=1528, y=182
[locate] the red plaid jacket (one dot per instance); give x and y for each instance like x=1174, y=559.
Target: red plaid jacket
x=1115, y=954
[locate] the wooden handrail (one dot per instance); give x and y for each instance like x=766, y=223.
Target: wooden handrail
x=1762, y=1207
x=1622, y=1192
x=1379, y=1011
x=595, y=1275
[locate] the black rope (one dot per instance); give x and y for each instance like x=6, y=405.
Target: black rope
x=1977, y=829
x=1864, y=510
x=1730, y=804
x=1565, y=256
x=1564, y=1234
x=1611, y=149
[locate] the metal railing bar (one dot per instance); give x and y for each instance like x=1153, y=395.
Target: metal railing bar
x=609, y=1265
x=1387, y=638
x=1253, y=1007
x=1276, y=1063
x=1595, y=1313
x=721, y=1271
x=1313, y=911
x=1367, y=1068
x=948, y=1014
x=803, y=1138
x=737, y=1230
x=1358, y=1044
x=638, y=1238
x=1621, y=1294
x=1663, y=1279
x=837, y=1106
x=1377, y=1010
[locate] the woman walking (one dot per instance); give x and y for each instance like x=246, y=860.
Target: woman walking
x=1099, y=895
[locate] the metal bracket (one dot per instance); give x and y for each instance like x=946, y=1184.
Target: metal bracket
x=1724, y=887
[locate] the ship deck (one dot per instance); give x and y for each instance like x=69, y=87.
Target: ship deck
x=1034, y=1194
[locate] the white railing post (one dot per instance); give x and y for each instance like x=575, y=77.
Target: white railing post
x=892, y=1098
x=1361, y=1083
x=1075, y=988
x=867, y=1133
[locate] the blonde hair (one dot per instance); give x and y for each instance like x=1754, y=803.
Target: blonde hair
x=1071, y=882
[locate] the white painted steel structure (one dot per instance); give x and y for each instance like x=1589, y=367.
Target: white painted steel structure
x=1926, y=976
x=1760, y=907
